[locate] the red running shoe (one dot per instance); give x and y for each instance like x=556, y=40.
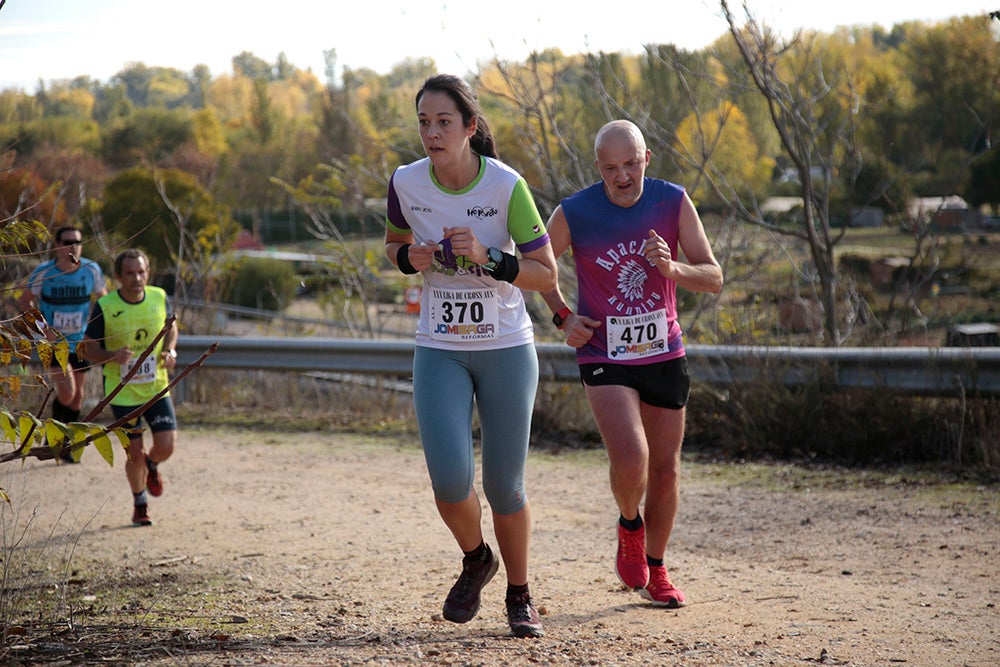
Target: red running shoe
x=660, y=591
x=630, y=564
x=140, y=516
x=154, y=480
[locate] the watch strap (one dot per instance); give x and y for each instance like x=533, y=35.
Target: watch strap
x=491, y=264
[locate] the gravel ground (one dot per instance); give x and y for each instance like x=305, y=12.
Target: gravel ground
x=326, y=549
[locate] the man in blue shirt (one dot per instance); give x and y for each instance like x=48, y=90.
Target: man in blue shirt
x=62, y=289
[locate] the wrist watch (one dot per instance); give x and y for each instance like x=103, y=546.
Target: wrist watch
x=494, y=257
x=560, y=316
x=172, y=353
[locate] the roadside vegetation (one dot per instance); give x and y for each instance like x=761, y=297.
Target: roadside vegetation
x=861, y=123
x=193, y=166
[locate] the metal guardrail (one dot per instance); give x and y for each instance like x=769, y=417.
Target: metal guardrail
x=274, y=316
x=972, y=371
x=931, y=371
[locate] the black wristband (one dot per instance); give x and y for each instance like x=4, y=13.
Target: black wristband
x=507, y=269
x=403, y=259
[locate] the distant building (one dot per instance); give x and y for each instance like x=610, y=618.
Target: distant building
x=946, y=213
x=866, y=216
x=978, y=334
x=924, y=207
x=779, y=205
x=886, y=271
x=246, y=241
x=861, y=216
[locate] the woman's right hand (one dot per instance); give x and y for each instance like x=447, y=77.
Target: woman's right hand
x=421, y=255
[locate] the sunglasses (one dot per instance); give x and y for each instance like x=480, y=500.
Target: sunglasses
x=73, y=242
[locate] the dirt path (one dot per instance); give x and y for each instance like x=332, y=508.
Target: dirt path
x=327, y=550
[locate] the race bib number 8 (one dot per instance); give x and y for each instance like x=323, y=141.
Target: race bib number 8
x=464, y=315
x=146, y=372
x=637, y=336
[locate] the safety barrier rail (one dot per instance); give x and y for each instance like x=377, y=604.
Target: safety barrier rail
x=932, y=371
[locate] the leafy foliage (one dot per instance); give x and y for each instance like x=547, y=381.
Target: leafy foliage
x=261, y=282
x=28, y=434
x=137, y=213
x=882, y=115
x=23, y=336
x=150, y=134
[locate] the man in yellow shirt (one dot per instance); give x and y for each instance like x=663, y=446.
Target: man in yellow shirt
x=122, y=325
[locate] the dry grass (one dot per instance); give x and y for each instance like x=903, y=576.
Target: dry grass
x=758, y=421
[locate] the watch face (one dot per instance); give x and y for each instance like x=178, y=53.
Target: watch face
x=495, y=255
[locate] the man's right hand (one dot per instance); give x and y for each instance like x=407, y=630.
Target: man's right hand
x=579, y=329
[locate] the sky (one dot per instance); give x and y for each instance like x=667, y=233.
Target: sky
x=51, y=40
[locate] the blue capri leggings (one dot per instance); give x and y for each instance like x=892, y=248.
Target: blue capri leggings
x=501, y=384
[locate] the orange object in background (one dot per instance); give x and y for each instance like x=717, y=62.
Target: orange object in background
x=412, y=298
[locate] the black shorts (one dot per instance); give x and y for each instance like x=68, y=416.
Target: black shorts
x=75, y=362
x=664, y=384
x=160, y=416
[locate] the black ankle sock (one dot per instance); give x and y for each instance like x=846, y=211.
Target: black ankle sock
x=150, y=464
x=630, y=524
x=654, y=562
x=64, y=413
x=479, y=553
x=516, y=591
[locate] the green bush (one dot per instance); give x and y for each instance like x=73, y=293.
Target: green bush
x=264, y=283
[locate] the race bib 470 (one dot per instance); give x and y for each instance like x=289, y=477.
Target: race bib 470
x=637, y=336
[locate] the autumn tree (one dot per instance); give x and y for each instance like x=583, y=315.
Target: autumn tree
x=811, y=106
x=25, y=194
x=891, y=113
x=536, y=113
x=164, y=87
x=984, y=182
x=353, y=274
x=162, y=212
x=725, y=160
x=955, y=72
x=147, y=136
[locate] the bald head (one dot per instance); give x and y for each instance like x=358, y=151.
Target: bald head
x=622, y=158
x=619, y=131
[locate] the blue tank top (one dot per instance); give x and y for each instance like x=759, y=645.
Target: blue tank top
x=616, y=284
x=64, y=298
